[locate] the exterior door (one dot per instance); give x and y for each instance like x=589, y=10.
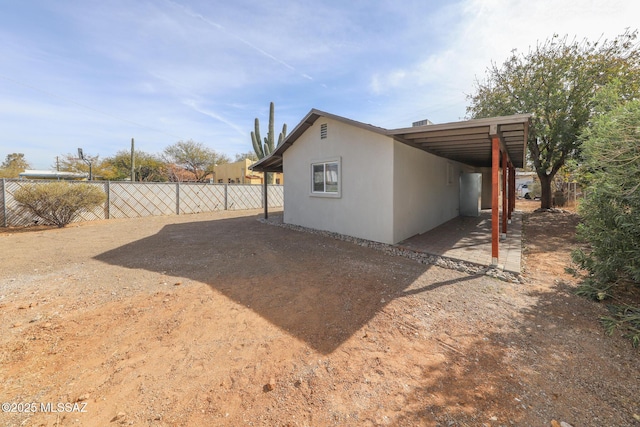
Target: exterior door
x=470, y=194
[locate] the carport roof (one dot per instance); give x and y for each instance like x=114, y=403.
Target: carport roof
x=467, y=141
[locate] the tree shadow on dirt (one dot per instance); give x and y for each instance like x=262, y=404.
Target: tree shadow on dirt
x=559, y=229
x=552, y=361
x=316, y=288
x=473, y=387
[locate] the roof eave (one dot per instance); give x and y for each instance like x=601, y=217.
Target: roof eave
x=273, y=162
x=502, y=120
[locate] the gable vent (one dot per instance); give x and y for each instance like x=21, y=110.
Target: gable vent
x=323, y=131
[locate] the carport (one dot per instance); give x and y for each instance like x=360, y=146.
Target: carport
x=498, y=143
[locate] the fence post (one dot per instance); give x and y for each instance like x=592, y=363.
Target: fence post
x=4, y=202
x=107, y=205
x=226, y=197
x=177, y=198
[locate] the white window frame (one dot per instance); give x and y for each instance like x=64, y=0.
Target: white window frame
x=324, y=193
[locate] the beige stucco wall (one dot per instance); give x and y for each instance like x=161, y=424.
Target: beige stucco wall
x=239, y=172
x=426, y=191
x=365, y=207
x=390, y=191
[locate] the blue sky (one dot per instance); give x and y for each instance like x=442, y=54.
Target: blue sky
x=94, y=74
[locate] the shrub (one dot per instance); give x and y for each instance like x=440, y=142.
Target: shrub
x=626, y=319
x=58, y=203
x=611, y=211
x=611, y=214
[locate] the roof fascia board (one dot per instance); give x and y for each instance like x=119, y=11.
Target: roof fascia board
x=494, y=126
x=501, y=120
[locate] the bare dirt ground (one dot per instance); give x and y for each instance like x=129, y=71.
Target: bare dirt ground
x=218, y=319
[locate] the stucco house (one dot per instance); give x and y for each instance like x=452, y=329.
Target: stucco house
x=388, y=185
x=239, y=173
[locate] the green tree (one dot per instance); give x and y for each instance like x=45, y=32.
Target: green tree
x=556, y=82
x=148, y=167
x=13, y=164
x=193, y=157
x=58, y=203
x=248, y=155
x=72, y=163
x=263, y=150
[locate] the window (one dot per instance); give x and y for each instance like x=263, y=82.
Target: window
x=325, y=178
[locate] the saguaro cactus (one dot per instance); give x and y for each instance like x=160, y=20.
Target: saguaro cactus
x=266, y=148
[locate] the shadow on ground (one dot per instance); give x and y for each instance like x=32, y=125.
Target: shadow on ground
x=552, y=362
x=559, y=229
x=316, y=288
x=458, y=233
x=470, y=350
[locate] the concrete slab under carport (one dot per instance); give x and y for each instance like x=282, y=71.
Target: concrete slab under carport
x=469, y=239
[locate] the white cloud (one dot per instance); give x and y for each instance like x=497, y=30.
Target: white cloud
x=98, y=73
x=486, y=31
x=192, y=104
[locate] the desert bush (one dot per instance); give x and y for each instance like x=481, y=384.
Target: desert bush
x=626, y=319
x=611, y=214
x=611, y=211
x=58, y=203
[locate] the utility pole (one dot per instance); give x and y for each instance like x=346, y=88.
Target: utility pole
x=87, y=161
x=133, y=162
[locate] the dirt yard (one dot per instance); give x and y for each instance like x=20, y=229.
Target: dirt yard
x=219, y=319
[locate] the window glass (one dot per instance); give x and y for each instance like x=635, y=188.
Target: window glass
x=326, y=178
x=331, y=177
x=318, y=177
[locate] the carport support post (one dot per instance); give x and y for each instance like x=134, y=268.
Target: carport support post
x=265, y=198
x=512, y=190
x=505, y=205
x=495, y=166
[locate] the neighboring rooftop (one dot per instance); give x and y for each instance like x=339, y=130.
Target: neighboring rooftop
x=49, y=174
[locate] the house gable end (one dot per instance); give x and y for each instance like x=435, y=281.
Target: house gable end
x=364, y=160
